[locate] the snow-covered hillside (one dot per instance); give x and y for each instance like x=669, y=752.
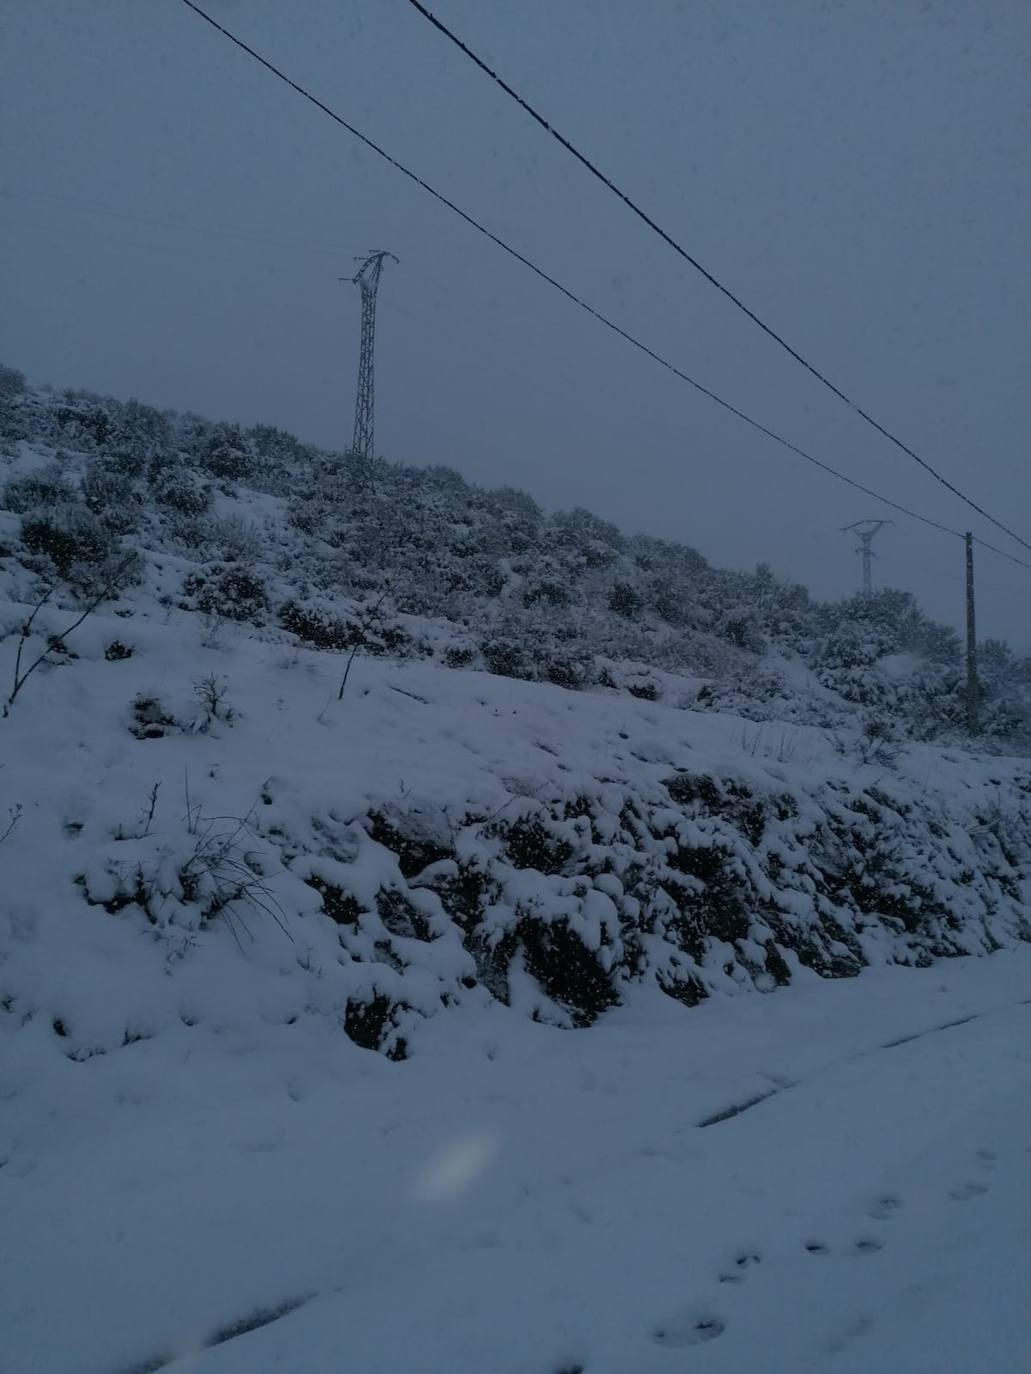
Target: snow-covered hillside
x=211, y=833
x=255, y=528
x=255, y=825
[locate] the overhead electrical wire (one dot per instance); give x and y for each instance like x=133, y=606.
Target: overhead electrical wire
x=577, y=300
x=710, y=277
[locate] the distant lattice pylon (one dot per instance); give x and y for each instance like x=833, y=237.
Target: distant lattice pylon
x=864, y=531
x=367, y=277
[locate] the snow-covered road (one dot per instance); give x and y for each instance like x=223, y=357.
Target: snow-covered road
x=520, y=1200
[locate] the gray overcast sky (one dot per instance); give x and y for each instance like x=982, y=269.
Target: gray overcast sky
x=173, y=221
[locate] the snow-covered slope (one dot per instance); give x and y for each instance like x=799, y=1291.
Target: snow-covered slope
x=212, y=835
x=234, y=863
x=254, y=527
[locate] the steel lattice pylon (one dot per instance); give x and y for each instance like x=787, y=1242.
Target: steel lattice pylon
x=864, y=531
x=367, y=277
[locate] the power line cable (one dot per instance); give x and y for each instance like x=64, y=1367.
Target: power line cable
x=577, y=300
x=709, y=276
x=992, y=548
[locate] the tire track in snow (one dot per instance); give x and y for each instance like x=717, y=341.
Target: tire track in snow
x=728, y=1113
x=241, y=1326
x=673, y=1334
x=919, y=1035
x=738, y=1108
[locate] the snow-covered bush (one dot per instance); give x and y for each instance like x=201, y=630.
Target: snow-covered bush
x=212, y=696
x=369, y=627
x=72, y=540
x=226, y=454
x=12, y=382
x=179, y=489
x=712, y=882
x=624, y=599
x=110, y=494
x=234, y=593
x=237, y=540
x=41, y=490
x=506, y=658
x=150, y=718
x=180, y=882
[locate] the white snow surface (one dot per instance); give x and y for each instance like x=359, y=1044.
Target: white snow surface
x=525, y=1200
x=190, y=1145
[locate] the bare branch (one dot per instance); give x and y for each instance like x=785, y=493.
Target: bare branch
x=14, y=815
x=363, y=630
x=20, y=678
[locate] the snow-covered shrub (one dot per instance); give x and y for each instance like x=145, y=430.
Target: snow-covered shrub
x=741, y=626
x=142, y=436
x=211, y=694
x=15, y=403
x=506, y=658
x=625, y=599
x=237, y=540
x=179, y=489
x=12, y=382
x=75, y=543
x=374, y=1024
x=41, y=490
x=745, y=688
x=460, y=655
x=307, y=515
x=182, y=881
x=226, y=454
x=370, y=628
x=277, y=451
x=880, y=741
x=187, y=533
x=569, y=670
x=546, y=591
x=881, y=653
x=111, y=496
x=150, y=718
x=643, y=687
x=234, y=593
x=84, y=422
x=316, y=627
x=1004, y=706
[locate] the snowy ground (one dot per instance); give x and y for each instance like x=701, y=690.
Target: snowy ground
x=198, y=1170
x=521, y=1200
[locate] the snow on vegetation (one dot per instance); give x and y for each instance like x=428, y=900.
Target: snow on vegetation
x=265, y=748
x=436, y=836
x=302, y=760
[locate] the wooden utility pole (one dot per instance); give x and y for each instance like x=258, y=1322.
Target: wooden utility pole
x=968, y=539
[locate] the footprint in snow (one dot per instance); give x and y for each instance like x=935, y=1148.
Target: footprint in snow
x=865, y=1245
x=885, y=1207
x=966, y=1191
x=742, y=1263
x=855, y=1328
x=986, y=1159
x=690, y=1329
